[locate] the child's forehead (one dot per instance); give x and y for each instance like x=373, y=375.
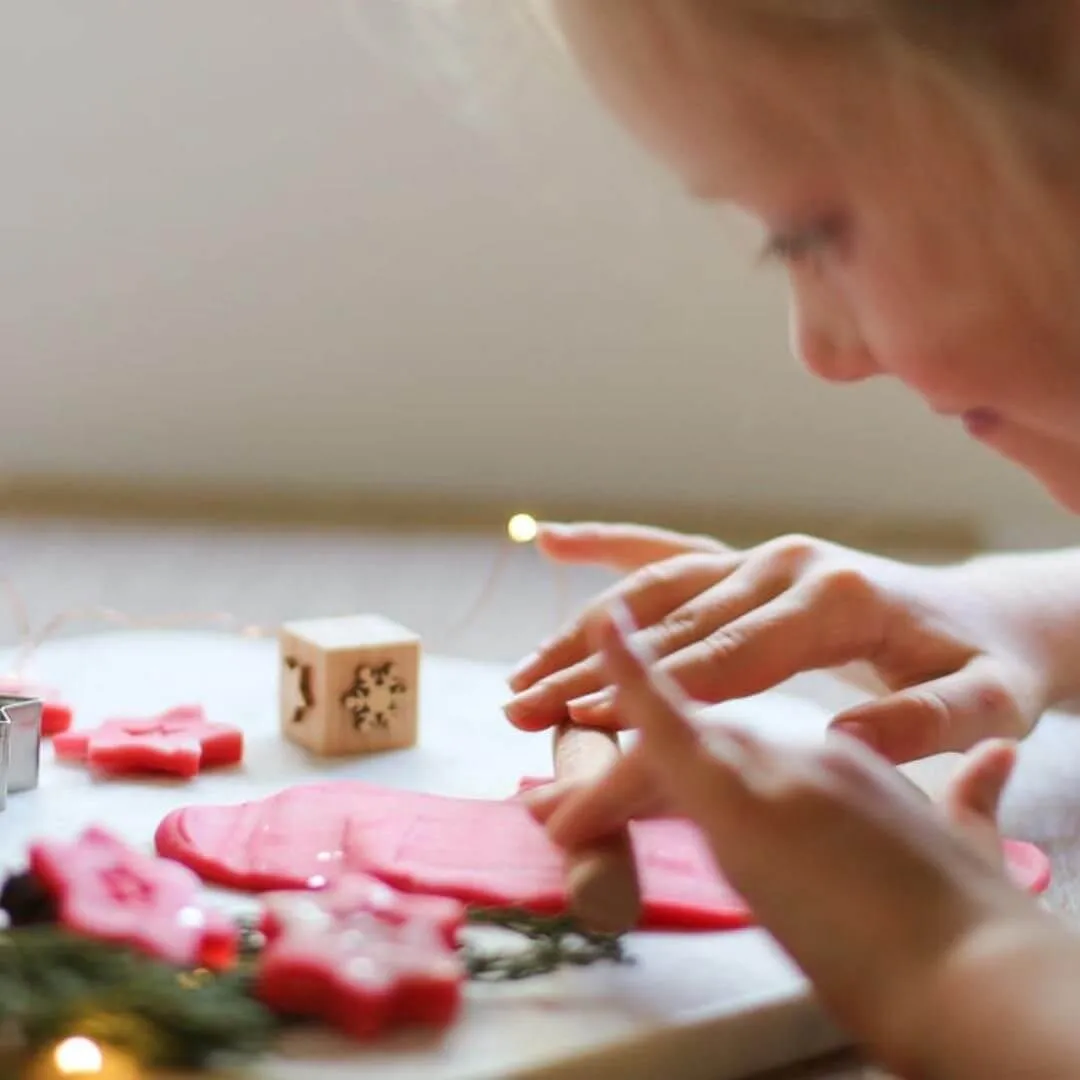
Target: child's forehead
x=723, y=107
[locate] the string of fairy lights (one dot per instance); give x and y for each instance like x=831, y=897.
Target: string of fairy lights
x=521, y=530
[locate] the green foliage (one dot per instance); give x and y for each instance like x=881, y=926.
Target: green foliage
x=553, y=943
x=54, y=985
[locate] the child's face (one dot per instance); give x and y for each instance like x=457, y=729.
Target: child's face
x=901, y=249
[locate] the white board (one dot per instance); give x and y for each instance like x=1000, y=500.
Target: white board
x=715, y=1006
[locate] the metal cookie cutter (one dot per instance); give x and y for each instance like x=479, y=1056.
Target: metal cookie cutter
x=20, y=744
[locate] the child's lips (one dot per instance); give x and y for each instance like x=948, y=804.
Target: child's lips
x=980, y=423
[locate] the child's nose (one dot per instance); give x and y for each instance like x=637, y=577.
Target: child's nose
x=839, y=364
x=835, y=357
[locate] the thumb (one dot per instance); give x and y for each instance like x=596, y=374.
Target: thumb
x=618, y=547
x=952, y=713
x=544, y=800
x=974, y=794
x=667, y=766
x=976, y=789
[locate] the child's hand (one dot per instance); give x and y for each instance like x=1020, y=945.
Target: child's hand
x=726, y=624
x=871, y=889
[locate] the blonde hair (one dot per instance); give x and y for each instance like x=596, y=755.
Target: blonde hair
x=1007, y=72
x=1022, y=52
x=1014, y=58
x=1018, y=56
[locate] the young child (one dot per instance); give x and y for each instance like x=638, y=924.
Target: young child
x=916, y=165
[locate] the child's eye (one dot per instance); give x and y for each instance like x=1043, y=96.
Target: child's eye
x=807, y=242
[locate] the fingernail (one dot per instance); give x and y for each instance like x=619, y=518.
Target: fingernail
x=522, y=669
x=559, y=831
x=522, y=706
x=598, y=715
x=589, y=701
x=542, y=802
x=1003, y=755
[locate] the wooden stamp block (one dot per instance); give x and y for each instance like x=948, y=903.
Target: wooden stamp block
x=349, y=685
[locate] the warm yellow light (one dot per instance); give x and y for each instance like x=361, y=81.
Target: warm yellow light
x=522, y=528
x=79, y=1057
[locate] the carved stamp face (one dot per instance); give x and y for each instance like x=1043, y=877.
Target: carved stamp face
x=373, y=698
x=296, y=688
x=349, y=686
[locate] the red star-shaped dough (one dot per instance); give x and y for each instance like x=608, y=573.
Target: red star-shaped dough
x=362, y=957
x=107, y=891
x=180, y=742
x=56, y=716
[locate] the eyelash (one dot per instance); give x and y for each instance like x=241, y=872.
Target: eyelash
x=804, y=243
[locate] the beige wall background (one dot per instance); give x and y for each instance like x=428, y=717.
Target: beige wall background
x=293, y=244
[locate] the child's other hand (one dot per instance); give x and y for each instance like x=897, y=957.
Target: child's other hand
x=872, y=889
x=726, y=624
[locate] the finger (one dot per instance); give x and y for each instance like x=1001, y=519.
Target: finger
x=748, y=587
x=619, y=546
x=768, y=646
x=685, y=769
x=977, y=788
x=650, y=593
x=545, y=703
x=973, y=797
x=948, y=714
x=565, y=667
x=542, y=802
x=581, y=814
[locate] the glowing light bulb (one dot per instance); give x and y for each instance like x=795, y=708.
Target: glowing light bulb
x=79, y=1057
x=522, y=528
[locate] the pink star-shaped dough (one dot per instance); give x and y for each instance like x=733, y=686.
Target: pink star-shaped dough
x=181, y=742
x=362, y=957
x=107, y=891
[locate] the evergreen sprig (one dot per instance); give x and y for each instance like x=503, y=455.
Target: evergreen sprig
x=553, y=942
x=54, y=984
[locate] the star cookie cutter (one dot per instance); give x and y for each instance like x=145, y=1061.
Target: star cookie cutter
x=20, y=744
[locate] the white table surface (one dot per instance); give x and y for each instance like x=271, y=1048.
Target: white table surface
x=714, y=1006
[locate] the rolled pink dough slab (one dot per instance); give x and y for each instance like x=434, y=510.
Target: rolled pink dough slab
x=485, y=852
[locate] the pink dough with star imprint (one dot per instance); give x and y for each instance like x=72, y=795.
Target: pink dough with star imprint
x=181, y=742
x=362, y=956
x=106, y=890
x=488, y=853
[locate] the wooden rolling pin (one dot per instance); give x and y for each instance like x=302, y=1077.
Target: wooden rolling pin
x=601, y=880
